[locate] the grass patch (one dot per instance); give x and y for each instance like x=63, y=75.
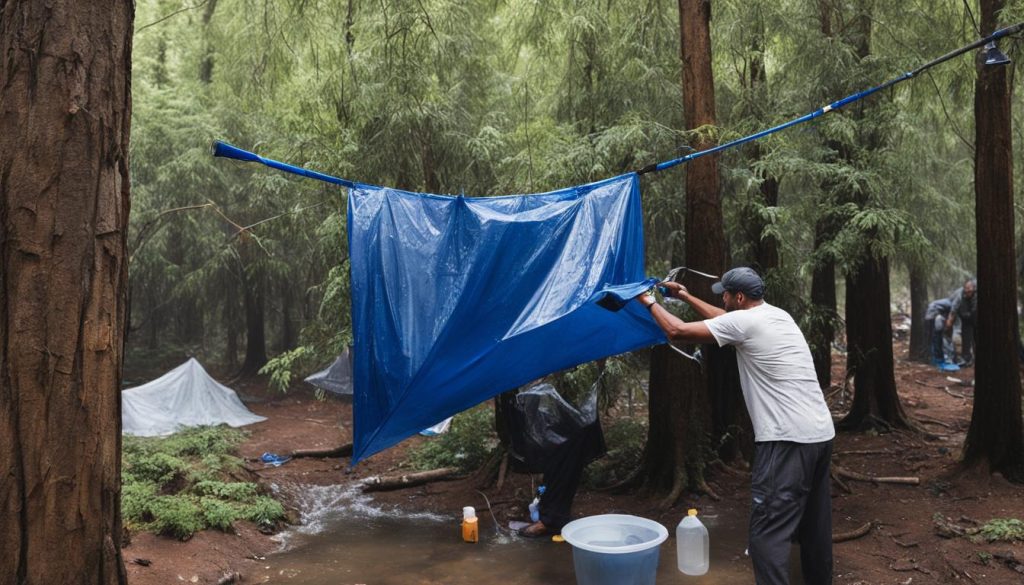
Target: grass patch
x=181, y=484
x=1002, y=530
x=466, y=445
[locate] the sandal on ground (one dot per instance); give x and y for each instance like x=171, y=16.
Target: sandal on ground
x=535, y=530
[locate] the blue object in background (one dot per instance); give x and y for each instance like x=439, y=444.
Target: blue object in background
x=456, y=299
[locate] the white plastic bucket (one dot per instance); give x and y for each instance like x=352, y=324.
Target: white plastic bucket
x=615, y=549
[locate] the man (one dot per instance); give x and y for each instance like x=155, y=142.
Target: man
x=793, y=429
x=937, y=315
x=964, y=306
x=546, y=434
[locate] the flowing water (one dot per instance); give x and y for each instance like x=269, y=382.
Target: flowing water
x=346, y=539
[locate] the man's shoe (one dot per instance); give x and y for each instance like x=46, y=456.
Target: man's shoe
x=535, y=530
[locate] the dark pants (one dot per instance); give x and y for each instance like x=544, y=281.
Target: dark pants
x=938, y=337
x=791, y=503
x=563, y=470
x=967, y=339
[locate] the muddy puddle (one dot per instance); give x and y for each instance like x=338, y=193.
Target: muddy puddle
x=347, y=539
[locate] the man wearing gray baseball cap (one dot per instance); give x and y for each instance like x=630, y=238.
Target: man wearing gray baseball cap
x=793, y=429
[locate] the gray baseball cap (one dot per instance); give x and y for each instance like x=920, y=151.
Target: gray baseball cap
x=741, y=279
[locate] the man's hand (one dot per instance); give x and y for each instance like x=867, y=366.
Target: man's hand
x=673, y=289
x=646, y=298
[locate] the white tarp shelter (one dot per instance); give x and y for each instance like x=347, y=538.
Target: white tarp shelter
x=184, y=397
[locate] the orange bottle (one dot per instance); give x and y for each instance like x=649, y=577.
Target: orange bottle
x=470, y=532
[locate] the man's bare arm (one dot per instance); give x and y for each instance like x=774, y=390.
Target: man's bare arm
x=704, y=309
x=675, y=328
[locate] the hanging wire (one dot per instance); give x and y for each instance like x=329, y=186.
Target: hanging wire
x=222, y=149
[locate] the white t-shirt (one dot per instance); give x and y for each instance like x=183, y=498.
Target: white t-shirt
x=777, y=374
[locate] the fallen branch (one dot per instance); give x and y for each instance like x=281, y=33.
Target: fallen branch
x=340, y=451
x=864, y=452
x=843, y=472
x=397, y=482
x=839, y=482
x=851, y=534
x=934, y=421
x=954, y=394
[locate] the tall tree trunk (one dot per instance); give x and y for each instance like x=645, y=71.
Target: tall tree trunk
x=869, y=356
x=255, y=334
x=230, y=315
x=821, y=330
x=65, y=102
x=822, y=316
x=765, y=246
x=995, y=435
x=255, y=330
x=920, y=332
x=206, y=64
x=678, y=387
x=287, y=340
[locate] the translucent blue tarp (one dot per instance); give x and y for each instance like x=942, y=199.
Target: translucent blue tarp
x=456, y=299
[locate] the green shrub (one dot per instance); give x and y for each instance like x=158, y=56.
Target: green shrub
x=466, y=445
x=264, y=510
x=218, y=513
x=181, y=484
x=235, y=491
x=136, y=497
x=625, y=439
x=176, y=516
x=1002, y=530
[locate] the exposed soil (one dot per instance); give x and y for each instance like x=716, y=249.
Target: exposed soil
x=904, y=544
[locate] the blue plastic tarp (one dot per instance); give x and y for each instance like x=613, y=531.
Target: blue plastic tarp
x=456, y=299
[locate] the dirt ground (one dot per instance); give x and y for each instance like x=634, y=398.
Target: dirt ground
x=903, y=545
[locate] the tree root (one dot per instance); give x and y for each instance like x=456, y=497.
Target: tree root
x=839, y=482
x=502, y=469
x=719, y=465
x=397, y=482
x=703, y=486
x=851, y=534
x=678, y=486
x=843, y=472
x=935, y=421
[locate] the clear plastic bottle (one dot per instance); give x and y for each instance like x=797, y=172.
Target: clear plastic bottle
x=470, y=527
x=535, y=505
x=692, y=545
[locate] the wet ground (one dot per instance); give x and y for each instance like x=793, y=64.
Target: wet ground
x=346, y=538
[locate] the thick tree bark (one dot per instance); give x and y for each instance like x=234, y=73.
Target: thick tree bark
x=920, y=332
x=65, y=102
x=679, y=388
x=765, y=246
x=822, y=330
x=869, y=356
x=995, y=436
x=255, y=329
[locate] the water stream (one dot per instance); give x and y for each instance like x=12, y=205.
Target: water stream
x=347, y=539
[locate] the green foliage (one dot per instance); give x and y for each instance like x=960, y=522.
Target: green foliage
x=178, y=485
x=280, y=368
x=466, y=445
x=1002, y=530
x=175, y=516
x=625, y=439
